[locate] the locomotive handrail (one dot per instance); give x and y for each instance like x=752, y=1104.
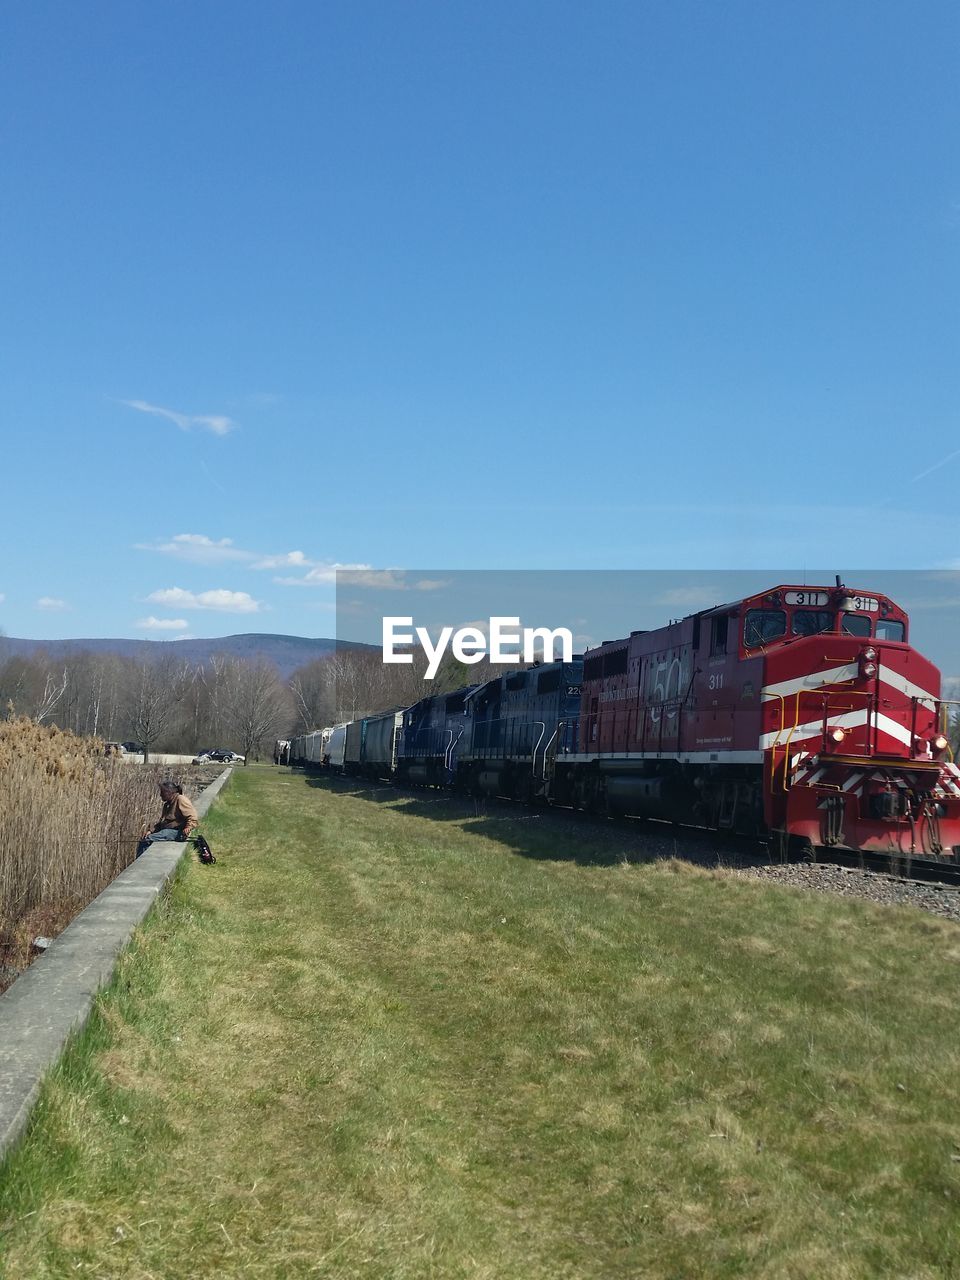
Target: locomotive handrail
x=533, y=755
x=786, y=745
x=546, y=750
x=824, y=692
x=783, y=717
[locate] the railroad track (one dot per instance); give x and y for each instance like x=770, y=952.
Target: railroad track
x=900, y=866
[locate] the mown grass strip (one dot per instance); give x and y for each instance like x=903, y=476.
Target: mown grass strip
x=395, y=1037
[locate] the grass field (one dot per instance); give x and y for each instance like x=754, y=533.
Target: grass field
x=403, y=1037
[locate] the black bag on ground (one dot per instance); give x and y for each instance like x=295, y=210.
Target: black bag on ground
x=204, y=852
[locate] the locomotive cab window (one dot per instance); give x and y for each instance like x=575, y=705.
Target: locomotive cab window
x=718, y=636
x=761, y=626
x=550, y=681
x=890, y=629
x=855, y=624
x=810, y=622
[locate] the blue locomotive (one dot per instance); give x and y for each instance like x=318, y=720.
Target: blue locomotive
x=503, y=737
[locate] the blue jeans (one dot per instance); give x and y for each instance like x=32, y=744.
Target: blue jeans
x=168, y=833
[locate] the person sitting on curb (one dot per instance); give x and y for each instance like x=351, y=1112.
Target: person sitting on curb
x=177, y=818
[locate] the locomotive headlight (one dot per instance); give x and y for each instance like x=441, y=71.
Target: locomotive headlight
x=869, y=654
x=868, y=669
x=837, y=734
x=940, y=743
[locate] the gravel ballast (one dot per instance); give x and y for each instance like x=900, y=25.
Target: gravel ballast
x=848, y=882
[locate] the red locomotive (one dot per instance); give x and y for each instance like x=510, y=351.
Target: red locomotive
x=802, y=710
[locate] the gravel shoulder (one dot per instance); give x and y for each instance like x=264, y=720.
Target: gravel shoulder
x=847, y=882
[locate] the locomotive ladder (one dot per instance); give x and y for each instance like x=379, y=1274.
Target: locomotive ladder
x=780, y=779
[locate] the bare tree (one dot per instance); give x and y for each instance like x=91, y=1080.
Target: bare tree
x=361, y=683
x=312, y=689
x=20, y=685
x=258, y=705
x=54, y=687
x=158, y=688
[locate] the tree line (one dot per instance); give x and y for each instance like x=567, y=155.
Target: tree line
x=239, y=704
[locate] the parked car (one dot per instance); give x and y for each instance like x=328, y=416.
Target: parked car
x=220, y=757
x=133, y=747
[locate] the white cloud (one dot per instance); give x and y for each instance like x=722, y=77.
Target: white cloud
x=197, y=548
x=219, y=600
x=356, y=575
x=218, y=423
x=162, y=624
x=288, y=560
x=325, y=575
x=51, y=604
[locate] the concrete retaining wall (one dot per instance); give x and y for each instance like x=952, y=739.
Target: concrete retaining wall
x=55, y=995
x=156, y=757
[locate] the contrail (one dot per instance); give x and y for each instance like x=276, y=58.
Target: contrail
x=937, y=465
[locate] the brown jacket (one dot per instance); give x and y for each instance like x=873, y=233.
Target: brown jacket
x=179, y=813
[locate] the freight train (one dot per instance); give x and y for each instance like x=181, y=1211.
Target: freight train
x=800, y=711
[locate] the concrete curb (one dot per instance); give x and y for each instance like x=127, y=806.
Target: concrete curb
x=55, y=995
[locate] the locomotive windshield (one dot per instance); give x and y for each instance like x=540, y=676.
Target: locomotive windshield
x=855, y=624
x=890, y=629
x=761, y=626
x=768, y=625
x=810, y=622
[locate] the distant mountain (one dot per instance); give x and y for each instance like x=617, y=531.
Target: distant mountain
x=285, y=652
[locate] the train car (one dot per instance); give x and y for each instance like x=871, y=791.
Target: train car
x=315, y=747
x=520, y=725
x=334, y=756
x=378, y=743
x=431, y=734
x=307, y=749
x=800, y=710
x=353, y=746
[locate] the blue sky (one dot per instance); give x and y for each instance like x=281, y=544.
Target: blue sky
x=532, y=285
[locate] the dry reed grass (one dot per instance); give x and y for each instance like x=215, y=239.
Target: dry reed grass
x=71, y=817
